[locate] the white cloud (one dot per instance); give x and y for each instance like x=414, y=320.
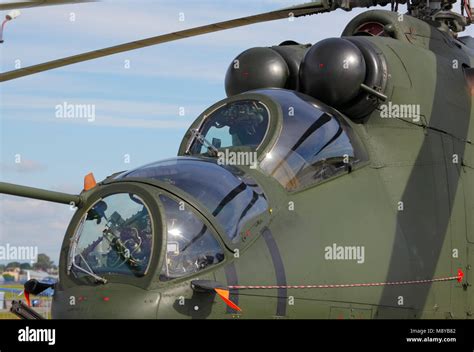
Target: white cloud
x=108, y=112
x=29, y=222
x=140, y=123
x=23, y=166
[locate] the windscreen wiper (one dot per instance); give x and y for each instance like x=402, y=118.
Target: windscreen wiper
x=72, y=263
x=88, y=272
x=200, y=138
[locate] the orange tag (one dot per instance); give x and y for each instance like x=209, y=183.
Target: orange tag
x=224, y=294
x=89, y=182
x=27, y=298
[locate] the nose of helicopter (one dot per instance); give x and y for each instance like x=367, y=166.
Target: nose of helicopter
x=110, y=301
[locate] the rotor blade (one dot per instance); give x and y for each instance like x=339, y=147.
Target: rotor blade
x=311, y=8
x=12, y=5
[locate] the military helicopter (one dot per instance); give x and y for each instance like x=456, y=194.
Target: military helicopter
x=336, y=180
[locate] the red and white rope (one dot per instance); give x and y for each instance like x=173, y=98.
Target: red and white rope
x=413, y=282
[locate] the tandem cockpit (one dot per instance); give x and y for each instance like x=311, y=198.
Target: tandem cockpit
x=175, y=218
x=292, y=137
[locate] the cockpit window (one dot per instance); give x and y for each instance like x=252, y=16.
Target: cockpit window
x=191, y=246
x=236, y=124
x=114, y=237
x=315, y=143
x=232, y=196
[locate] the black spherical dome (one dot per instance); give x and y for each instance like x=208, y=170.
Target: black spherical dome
x=256, y=68
x=332, y=71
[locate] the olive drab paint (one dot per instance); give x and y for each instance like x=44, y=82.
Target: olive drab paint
x=397, y=207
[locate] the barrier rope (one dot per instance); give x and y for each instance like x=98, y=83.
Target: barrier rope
x=459, y=278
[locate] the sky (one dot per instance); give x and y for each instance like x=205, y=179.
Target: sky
x=139, y=97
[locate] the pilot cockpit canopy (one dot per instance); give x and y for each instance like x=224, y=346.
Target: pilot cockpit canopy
x=298, y=140
x=241, y=123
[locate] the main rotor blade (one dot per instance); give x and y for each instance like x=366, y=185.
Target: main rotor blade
x=13, y=5
x=311, y=8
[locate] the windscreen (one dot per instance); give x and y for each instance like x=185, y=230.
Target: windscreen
x=191, y=245
x=315, y=143
x=114, y=237
x=236, y=124
x=230, y=195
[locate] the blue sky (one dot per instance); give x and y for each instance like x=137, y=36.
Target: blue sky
x=137, y=109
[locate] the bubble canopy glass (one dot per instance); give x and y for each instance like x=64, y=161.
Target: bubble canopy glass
x=315, y=143
x=191, y=245
x=229, y=194
x=119, y=238
x=306, y=143
x=115, y=236
x=241, y=123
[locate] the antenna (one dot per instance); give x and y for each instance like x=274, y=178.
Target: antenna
x=11, y=16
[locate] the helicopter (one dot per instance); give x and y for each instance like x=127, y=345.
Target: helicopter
x=336, y=180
